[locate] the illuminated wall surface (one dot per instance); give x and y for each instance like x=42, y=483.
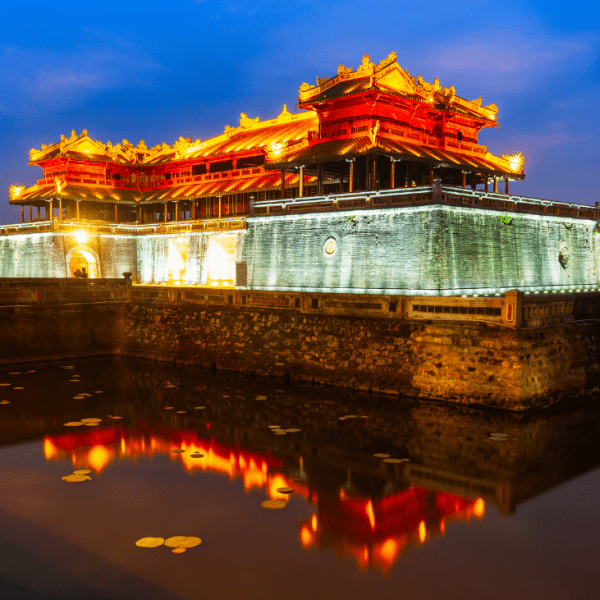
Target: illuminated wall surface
x=427, y=250
x=430, y=249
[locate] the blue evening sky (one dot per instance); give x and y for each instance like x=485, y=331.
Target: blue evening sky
x=158, y=70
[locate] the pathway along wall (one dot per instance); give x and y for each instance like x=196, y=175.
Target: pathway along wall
x=472, y=363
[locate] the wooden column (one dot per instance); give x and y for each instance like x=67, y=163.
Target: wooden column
x=77, y=206
x=506, y=185
x=282, y=193
x=30, y=213
x=485, y=183
x=60, y=214
x=495, y=185
x=374, y=174
x=50, y=210
x=22, y=213
x=139, y=214
x=392, y=173
x=166, y=210
x=351, y=182
x=430, y=175
x=464, y=179
x=176, y=210
x=320, y=181
x=220, y=206
x=367, y=173
x=473, y=181
x=194, y=209
x=116, y=213
x=301, y=182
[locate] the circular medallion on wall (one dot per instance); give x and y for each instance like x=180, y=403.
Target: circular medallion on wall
x=330, y=246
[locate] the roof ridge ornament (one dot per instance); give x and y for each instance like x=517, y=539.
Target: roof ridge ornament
x=342, y=70
x=246, y=122
x=367, y=66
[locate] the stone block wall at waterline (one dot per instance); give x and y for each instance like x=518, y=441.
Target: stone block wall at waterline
x=471, y=363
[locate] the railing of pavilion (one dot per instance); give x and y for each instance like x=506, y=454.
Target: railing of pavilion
x=95, y=227
x=430, y=194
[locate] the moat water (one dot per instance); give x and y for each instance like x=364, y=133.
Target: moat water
x=477, y=504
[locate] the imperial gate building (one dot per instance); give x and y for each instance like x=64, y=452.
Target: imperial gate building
x=378, y=186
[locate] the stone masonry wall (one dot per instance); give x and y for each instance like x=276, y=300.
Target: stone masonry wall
x=457, y=362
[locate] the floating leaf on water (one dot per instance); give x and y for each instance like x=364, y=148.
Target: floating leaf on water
x=169, y=407
x=98, y=392
x=182, y=541
x=150, y=542
x=170, y=386
x=279, y=432
x=5, y=402
x=76, y=478
x=273, y=504
x=381, y=455
x=342, y=418
x=199, y=407
x=394, y=460
x=84, y=395
x=291, y=430
x=32, y=371
x=4, y=384
x=73, y=424
x=116, y=417
x=178, y=450
x=81, y=472
x=285, y=490
x=15, y=373
x=274, y=426
x=18, y=388
x=80, y=397
x=197, y=455
x=351, y=416
x=225, y=396
x=179, y=412
x=178, y=550
x=364, y=417
x=91, y=420
x=261, y=397
x=74, y=380
x=91, y=424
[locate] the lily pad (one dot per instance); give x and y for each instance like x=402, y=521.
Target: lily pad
x=199, y=407
x=82, y=472
x=75, y=478
x=150, y=542
x=18, y=388
x=73, y=424
x=274, y=426
x=5, y=402
x=381, y=455
x=116, y=417
x=180, y=412
x=91, y=424
x=285, y=490
x=394, y=461
x=279, y=432
x=178, y=451
x=273, y=504
x=98, y=392
x=169, y=407
x=182, y=541
x=291, y=430
x=91, y=420
x=179, y=550
x=197, y=455
x=4, y=384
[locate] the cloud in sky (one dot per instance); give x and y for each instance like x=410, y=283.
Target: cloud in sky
x=48, y=78
x=514, y=62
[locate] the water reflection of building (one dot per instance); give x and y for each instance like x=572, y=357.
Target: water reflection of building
x=373, y=531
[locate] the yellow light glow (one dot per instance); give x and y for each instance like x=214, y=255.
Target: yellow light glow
x=306, y=537
x=515, y=161
x=98, y=458
x=16, y=190
x=81, y=236
x=422, y=531
x=479, y=508
x=314, y=522
x=49, y=449
x=370, y=514
x=58, y=183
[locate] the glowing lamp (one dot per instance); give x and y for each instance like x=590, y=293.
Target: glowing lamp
x=515, y=161
x=81, y=236
x=16, y=190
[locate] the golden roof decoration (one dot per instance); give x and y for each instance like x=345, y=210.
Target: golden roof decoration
x=388, y=74
x=515, y=161
x=246, y=122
